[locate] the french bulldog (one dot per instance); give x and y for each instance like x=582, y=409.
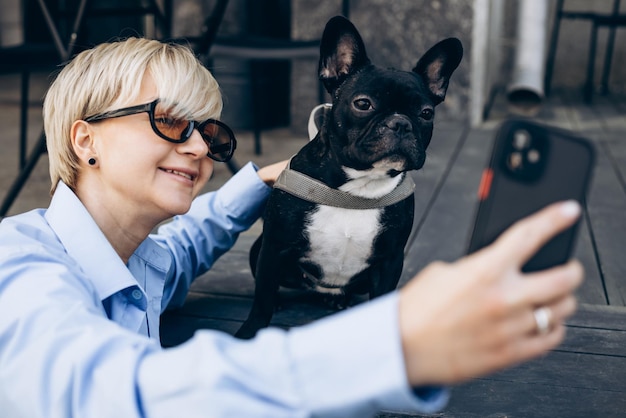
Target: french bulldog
x=351, y=240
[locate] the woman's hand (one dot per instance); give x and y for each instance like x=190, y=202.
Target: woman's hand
x=477, y=315
x=270, y=173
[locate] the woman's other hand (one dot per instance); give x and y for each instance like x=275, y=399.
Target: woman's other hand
x=478, y=315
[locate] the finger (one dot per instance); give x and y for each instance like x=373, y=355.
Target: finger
x=270, y=173
x=522, y=240
x=522, y=323
x=516, y=350
x=543, y=287
x=537, y=344
x=558, y=312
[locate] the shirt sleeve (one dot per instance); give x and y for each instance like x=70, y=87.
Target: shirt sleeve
x=210, y=228
x=347, y=365
x=60, y=356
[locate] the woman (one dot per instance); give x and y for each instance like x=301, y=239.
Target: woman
x=129, y=127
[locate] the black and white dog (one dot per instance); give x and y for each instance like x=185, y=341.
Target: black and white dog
x=340, y=216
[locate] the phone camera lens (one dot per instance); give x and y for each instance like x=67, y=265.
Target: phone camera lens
x=533, y=156
x=515, y=161
x=521, y=139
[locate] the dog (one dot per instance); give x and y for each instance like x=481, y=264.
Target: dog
x=339, y=217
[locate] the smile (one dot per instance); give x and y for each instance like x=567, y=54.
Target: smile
x=179, y=173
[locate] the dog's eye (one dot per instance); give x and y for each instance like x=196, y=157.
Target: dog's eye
x=362, y=104
x=427, y=114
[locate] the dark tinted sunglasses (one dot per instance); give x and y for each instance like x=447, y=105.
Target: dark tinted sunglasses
x=217, y=135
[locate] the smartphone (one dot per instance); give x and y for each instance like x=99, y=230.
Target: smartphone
x=531, y=166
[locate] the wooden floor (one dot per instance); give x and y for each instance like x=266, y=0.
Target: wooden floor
x=586, y=375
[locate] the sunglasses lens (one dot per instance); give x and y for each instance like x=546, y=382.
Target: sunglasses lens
x=220, y=140
x=218, y=137
x=175, y=129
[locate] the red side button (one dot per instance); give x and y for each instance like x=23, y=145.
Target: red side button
x=485, y=184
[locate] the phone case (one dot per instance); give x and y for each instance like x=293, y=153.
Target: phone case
x=531, y=166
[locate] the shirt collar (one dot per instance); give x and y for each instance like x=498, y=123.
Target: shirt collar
x=85, y=243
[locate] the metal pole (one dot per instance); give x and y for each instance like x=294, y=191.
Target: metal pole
x=526, y=90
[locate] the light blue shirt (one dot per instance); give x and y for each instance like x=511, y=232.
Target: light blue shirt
x=79, y=330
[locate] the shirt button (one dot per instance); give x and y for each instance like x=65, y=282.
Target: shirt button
x=136, y=294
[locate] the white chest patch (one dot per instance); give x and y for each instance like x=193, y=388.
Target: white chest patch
x=341, y=241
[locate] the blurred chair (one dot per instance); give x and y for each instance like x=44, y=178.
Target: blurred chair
x=255, y=49
x=29, y=57
x=611, y=20
x=23, y=60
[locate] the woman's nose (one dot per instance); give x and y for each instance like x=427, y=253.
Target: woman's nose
x=195, y=145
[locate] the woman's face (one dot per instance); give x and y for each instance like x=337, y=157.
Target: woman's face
x=143, y=174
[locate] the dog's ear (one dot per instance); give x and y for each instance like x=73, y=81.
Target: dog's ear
x=437, y=65
x=342, y=52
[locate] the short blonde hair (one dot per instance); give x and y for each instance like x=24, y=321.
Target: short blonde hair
x=108, y=77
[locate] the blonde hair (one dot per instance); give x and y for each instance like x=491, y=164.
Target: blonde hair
x=109, y=77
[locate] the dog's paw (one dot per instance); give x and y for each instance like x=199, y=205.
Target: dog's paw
x=337, y=302
x=248, y=330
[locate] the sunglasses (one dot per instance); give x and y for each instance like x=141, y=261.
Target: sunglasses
x=216, y=134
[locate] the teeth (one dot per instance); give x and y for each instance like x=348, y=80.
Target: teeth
x=187, y=176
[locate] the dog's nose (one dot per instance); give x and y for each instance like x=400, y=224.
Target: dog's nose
x=399, y=124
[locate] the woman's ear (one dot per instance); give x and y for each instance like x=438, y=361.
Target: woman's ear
x=83, y=141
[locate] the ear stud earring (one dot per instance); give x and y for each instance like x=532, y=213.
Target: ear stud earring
x=92, y=161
